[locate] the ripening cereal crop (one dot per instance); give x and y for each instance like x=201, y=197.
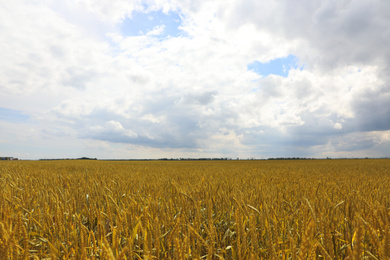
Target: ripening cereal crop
x=311, y=209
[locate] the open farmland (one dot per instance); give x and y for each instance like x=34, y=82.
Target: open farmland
x=311, y=209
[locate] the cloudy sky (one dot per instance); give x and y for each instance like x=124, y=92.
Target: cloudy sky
x=194, y=78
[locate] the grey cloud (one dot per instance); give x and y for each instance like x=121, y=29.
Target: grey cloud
x=272, y=143
x=294, y=137
x=78, y=77
x=352, y=142
x=178, y=132
x=341, y=32
x=178, y=128
x=138, y=79
x=372, y=111
x=202, y=98
x=179, y=122
x=346, y=32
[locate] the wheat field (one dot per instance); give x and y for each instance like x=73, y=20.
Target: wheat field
x=303, y=209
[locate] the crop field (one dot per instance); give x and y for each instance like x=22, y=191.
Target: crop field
x=302, y=209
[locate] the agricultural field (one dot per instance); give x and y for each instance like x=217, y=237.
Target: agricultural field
x=303, y=209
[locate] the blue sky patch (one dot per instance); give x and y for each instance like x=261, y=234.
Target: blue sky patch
x=279, y=66
x=13, y=116
x=141, y=23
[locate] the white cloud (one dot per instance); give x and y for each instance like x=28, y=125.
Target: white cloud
x=156, y=30
x=73, y=72
x=338, y=126
x=109, y=11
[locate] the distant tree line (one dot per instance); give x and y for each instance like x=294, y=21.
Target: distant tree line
x=292, y=158
x=195, y=159
x=205, y=159
x=81, y=158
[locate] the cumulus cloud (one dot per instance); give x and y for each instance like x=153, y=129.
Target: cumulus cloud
x=82, y=82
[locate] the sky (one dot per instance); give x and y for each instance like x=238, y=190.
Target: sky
x=184, y=78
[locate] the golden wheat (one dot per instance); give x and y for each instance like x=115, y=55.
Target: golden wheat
x=319, y=209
